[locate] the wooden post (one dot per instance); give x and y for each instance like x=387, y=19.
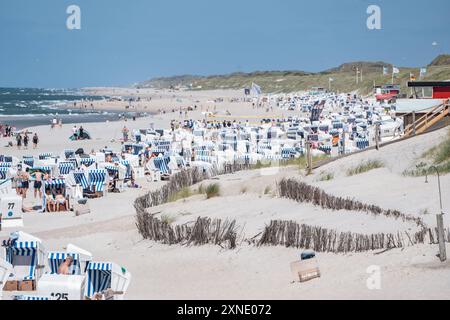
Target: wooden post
x=414, y=122
x=308, y=158
x=377, y=136
x=441, y=237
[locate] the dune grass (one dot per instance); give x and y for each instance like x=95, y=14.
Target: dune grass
x=365, y=167
x=326, y=176
x=165, y=218
x=213, y=190
x=438, y=156
x=182, y=194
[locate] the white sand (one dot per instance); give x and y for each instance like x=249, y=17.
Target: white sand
x=208, y=272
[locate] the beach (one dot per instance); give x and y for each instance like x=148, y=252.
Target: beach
x=248, y=272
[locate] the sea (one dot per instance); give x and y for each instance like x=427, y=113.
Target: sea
x=26, y=107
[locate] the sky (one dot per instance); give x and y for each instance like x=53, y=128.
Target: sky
x=122, y=42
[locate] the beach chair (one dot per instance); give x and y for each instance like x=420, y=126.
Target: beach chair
x=6, y=271
x=45, y=156
x=26, y=254
x=28, y=160
x=155, y=173
x=56, y=258
x=161, y=165
x=69, y=153
x=97, y=181
x=101, y=276
x=30, y=298
x=80, y=179
x=66, y=167
x=87, y=161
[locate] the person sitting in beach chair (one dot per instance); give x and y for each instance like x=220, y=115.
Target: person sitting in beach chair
x=50, y=201
x=64, y=268
x=61, y=201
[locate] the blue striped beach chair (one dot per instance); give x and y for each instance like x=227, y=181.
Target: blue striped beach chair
x=98, y=278
x=127, y=164
x=338, y=125
x=80, y=178
x=7, y=159
x=56, y=258
x=5, y=164
x=3, y=173
x=55, y=184
x=362, y=143
x=28, y=160
x=44, y=169
x=45, y=155
x=87, y=161
x=23, y=255
x=30, y=298
x=101, y=276
x=325, y=148
x=97, y=179
x=287, y=152
x=66, y=167
x=161, y=165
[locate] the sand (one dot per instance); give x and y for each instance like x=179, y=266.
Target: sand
x=209, y=272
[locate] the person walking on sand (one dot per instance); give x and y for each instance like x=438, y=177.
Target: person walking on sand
x=125, y=133
x=19, y=141
x=80, y=136
x=25, y=140
x=38, y=184
x=35, y=141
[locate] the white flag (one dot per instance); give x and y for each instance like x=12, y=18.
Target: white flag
x=395, y=70
x=256, y=89
x=331, y=79
x=423, y=71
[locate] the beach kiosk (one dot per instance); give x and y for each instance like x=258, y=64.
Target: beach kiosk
x=10, y=206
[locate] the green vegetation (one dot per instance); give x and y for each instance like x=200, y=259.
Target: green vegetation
x=438, y=156
x=267, y=190
x=165, y=218
x=182, y=194
x=290, y=81
x=244, y=190
x=365, y=167
x=213, y=190
x=326, y=176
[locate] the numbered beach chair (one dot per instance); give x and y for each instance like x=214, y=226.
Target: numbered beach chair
x=101, y=276
x=10, y=205
x=27, y=256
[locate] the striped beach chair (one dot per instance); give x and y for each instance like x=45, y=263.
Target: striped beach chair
x=56, y=258
x=23, y=256
x=97, y=179
x=80, y=178
x=3, y=173
x=101, y=276
x=161, y=164
x=54, y=184
x=7, y=159
x=287, y=152
x=5, y=164
x=66, y=167
x=30, y=298
x=45, y=156
x=28, y=160
x=362, y=143
x=87, y=161
x=127, y=164
x=325, y=148
x=338, y=125
x=44, y=169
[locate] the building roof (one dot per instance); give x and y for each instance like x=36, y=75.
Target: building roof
x=412, y=84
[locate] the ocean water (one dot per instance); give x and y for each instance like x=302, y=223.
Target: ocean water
x=23, y=107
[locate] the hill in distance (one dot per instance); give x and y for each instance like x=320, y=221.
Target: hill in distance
x=291, y=81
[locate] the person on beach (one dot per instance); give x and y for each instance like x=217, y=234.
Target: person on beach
x=35, y=141
x=51, y=203
x=80, y=133
x=25, y=140
x=54, y=123
x=64, y=268
x=125, y=133
x=25, y=182
x=19, y=141
x=38, y=184
x=60, y=122
x=61, y=200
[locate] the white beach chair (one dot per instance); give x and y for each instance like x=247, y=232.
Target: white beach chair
x=101, y=276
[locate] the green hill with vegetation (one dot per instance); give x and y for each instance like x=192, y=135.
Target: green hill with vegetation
x=290, y=81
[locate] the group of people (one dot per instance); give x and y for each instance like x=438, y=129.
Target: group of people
x=56, y=122
x=24, y=139
x=6, y=130
x=21, y=182
x=78, y=133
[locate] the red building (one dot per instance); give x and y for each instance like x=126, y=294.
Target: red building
x=387, y=92
x=430, y=89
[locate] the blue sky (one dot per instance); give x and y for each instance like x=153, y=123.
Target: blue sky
x=126, y=41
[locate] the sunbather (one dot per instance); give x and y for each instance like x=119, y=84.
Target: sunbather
x=51, y=203
x=61, y=200
x=65, y=266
